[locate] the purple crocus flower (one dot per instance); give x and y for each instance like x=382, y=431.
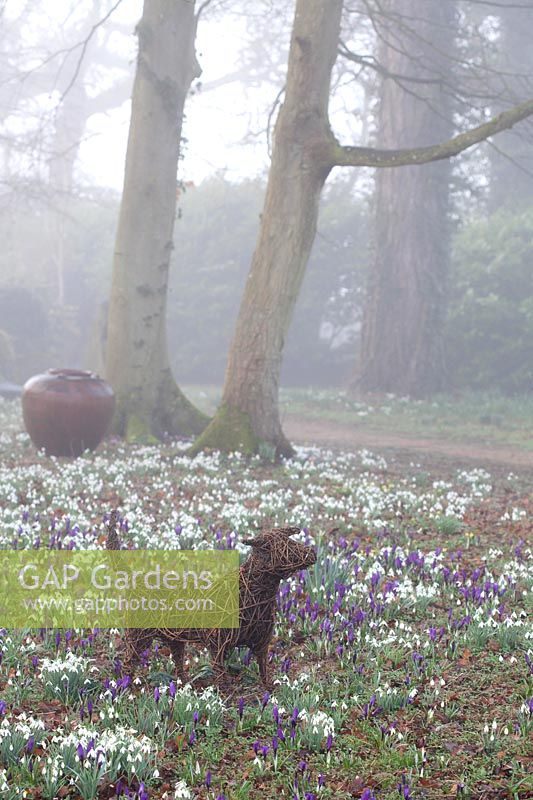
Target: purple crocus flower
x=143, y=792
x=30, y=744
x=80, y=751
x=275, y=744
x=192, y=737
x=3, y=707
x=208, y=779
x=157, y=694
x=329, y=742
x=240, y=707
x=275, y=714
x=264, y=701
x=403, y=789
x=172, y=689
x=286, y=665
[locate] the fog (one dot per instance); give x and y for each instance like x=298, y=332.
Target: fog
x=65, y=109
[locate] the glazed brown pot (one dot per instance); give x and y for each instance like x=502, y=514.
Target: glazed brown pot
x=67, y=411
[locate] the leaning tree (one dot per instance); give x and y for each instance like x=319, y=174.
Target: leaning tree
x=305, y=151
x=149, y=402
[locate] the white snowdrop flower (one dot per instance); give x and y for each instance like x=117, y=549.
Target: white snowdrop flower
x=182, y=791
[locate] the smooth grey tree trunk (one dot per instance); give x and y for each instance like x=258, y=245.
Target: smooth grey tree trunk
x=148, y=400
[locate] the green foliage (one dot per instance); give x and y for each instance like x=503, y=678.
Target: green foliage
x=214, y=243
x=490, y=330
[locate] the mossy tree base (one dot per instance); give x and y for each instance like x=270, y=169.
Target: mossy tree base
x=174, y=413
x=231, y=430
x=171, y=413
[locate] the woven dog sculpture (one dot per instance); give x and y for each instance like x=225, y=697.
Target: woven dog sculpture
x=274, y=556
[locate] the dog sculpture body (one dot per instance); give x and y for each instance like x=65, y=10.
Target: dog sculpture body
x=274, y=556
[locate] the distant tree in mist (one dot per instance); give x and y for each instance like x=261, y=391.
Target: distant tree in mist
x=55, y=77
x=402, y=348
x=511, y=156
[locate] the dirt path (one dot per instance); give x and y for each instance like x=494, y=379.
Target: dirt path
x=347, y=437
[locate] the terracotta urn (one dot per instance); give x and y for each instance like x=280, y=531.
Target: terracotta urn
x=67, y=411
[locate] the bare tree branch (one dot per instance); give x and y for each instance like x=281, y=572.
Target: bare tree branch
x=84, y=45
x=346, y=156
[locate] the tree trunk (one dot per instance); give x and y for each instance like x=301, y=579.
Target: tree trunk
x=148, y=399
x=511, y=180
x=402, y=335
x=249, y=417
x=305, y=150
x=69, y=127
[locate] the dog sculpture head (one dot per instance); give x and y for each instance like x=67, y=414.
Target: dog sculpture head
x=278, y=554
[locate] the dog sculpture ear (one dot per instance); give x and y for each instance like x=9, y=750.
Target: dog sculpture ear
x=290, y=531
x=257, y=541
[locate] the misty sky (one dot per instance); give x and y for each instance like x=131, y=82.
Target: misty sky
x=215, y=137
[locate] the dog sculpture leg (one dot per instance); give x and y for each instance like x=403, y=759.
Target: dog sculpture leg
x=217, y=650
x=262, y=660
x=137, y=641
x=177, y=648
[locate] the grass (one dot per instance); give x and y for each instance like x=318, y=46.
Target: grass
x=403, y=660
x=466, y=417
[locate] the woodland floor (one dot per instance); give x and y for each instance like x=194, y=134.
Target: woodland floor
x=403, y=660
x=346, y=436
